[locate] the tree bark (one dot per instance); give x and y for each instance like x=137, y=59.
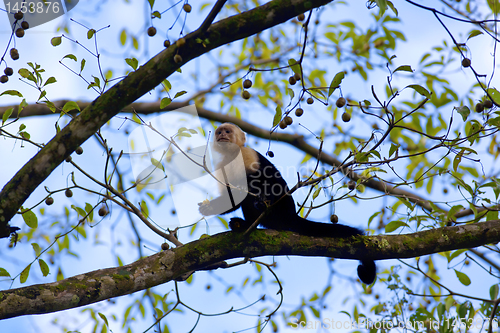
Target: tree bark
x=168, y=265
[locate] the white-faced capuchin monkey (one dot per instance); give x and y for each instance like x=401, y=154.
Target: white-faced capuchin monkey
x=266, y=187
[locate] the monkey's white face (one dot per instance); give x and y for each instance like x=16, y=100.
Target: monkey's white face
x=228, y=138
x=225, y=134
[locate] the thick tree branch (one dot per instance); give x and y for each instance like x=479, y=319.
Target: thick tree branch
x=166, y=266
x=136, y=84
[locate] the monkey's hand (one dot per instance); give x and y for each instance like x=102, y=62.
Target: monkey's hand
x=205, y=208
x=238, y=224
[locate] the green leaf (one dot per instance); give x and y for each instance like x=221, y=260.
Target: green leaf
x=151, y=3
x=403, y=68
x=97, y=81
x=392, y=226
x=382, y=5
x=25, y=135
x=3, y=272
x=30, y=219
x=421, y=90
x=37, y=248
x=60, y=275
x=26, y=74
x=44, y=267
x=474, y=131
x=460, y=181
x=314, y=311
x=132, y=62
x=337, y=79
x=108, y=75
x=316, y=192
x=82, y=65
x=407, y=203
x=50, y=80
x=362, y=157
x=277, y=116
x=144, y=208
x=103, y=317
x=25, y=273
x=494, y=121
x=90, y=33
x=12, y=92
x=223, y=222
x=51, y=106
x=70, y=56
x=55, y=41
x=456, y=254
x=123, y=37
x=463, y=278
x=494, y=94
x=374, y=215
x=494, y=6
x=453, y=210
x=393, y=148
x=7, y=114
x=474, y=33
x=180, y=93
x=22, y=105
x=391, y=5
x=90, y=211
x=464, y=111
x=294, y=65
x=71, y=106
x=375, y=153
x=492, y=215
x=42, y=95
x=167, y=84
x=79, y=210
x=157, y=164
x=494, y=291
x=165, y=102
x=457, y=160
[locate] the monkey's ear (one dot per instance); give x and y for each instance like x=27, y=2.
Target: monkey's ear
x=240, y=135
x=243, y=138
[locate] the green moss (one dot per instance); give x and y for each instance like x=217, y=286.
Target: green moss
x=383, y=244
x=75, y=300
x=121, y=276
x=80, y=286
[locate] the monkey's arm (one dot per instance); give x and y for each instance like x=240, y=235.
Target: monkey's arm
x=227, y=202
x=217, y=206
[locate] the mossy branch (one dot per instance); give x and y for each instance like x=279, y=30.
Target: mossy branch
x=168, y=265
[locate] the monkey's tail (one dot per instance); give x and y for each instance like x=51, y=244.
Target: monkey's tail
x=367, y=270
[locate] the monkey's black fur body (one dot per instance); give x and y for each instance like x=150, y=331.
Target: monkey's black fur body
x=266, y=187
x=269, y=187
